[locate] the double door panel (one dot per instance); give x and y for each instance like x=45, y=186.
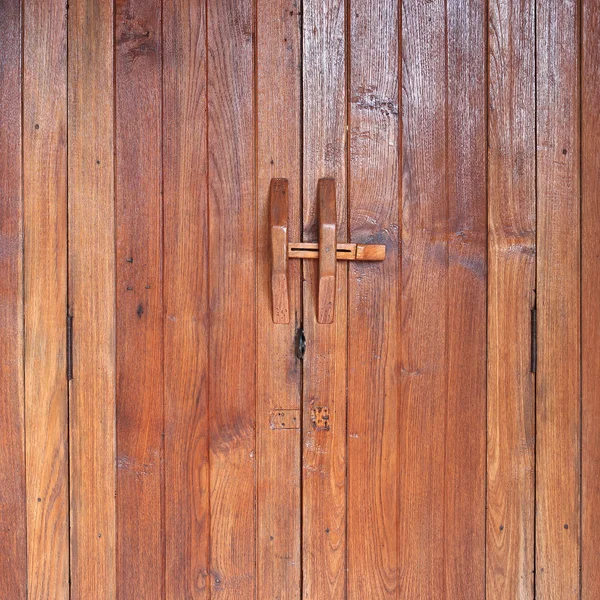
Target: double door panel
x=162, y=437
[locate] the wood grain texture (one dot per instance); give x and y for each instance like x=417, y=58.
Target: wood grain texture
x=139, y=299
x=511, y=285
x=373, y=289
x=558, y=302
x=92, y=300
x=13, y=522
x=590, y=290
x=187, y=519
x=232, y=277
x=325, y=363
x=45, y=297
x=442, y=415
x=278, y=232
x=327, y=250
x=279, y=371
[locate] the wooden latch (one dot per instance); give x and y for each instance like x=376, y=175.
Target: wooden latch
x=327, y=250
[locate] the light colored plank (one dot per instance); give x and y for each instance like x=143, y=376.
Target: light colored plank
x=373, y=308
x=45, y=289
x=590, y=290
x=325, y=363
x=139, y=246
x=13, y=529
x=92, y=300
x=558, y=302
x=186, y=324
x=278, y=369
x=511, y=284
x=232, y=296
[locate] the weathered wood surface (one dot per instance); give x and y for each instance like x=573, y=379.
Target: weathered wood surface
x=139, y=304
x=45, y=297
x=91, y=261
x=511, y=295
x=186, y=309
x=558, y=465
x=279, y=372
x=373, y=307
x=13, y=521
x=325, y=364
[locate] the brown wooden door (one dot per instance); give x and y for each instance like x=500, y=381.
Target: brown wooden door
x=162, y=437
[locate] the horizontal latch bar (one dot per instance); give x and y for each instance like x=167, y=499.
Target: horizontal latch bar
x=343, y=251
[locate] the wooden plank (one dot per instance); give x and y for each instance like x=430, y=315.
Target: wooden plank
x=442, y=414
x=232, y=293
x=139, y=299
x=13, y=522
x=45, y=294
x=325, y=363
x=186, y=300
x=92, y=300
x=558, y=302
x=373, y=308
x=590, y=290
x=465, y=443
x=278, y=384
x=511, y=285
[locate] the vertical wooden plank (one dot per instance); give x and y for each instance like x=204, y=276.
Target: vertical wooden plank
x=232, y=293
x=511, y=285
x=558, y=301
x=373, y=319
x=139, y=299
x=325, y=363
x=186, y=300
x=13, y=531
x=278, y=369
x=45, y=290
x=590, y=290
x=442, y=410
x=92, y=300
x=465, y=421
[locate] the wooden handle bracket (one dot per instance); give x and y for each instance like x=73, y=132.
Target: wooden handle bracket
x=327, y=251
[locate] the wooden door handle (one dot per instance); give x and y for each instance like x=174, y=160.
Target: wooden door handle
x=327, y=250
x=279, y=250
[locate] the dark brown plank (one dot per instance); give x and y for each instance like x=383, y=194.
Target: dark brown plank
x=13, y=529
x=278, y=369
x=558, y=302
x=45, y=295
x=373, y=288
x=186, y=300
x=139, y=299
x=325, y=363
x=92, y=300
x=442, y=415
x=511, y=284
x=232, y=277
x=590, y=290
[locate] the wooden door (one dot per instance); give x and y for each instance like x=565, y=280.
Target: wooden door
x=162, y=437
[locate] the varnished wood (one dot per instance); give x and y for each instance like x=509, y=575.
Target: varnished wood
x=138, y=210
x=327, y=249
x=232, y=297
x=278, y=369
x=325, y=363
x=310, y=250
x=279, y=211
x=13, y=530
x=558, y=302
x=186, y=324
x=373, y=307
x=92, y=300
x=45, y=297
x=590, y=290
x=511, y=285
